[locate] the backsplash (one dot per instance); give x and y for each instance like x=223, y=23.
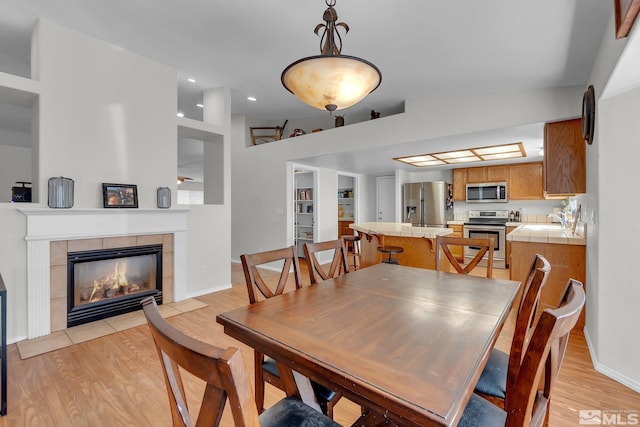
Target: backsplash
x=531, y=211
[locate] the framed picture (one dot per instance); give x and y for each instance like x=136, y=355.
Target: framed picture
x=119, y=195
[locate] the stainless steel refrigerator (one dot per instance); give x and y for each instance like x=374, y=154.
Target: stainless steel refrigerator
x=427, y=204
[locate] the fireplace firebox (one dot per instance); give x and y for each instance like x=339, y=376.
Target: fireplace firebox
x=108, y=282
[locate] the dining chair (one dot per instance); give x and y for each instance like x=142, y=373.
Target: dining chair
x=496, y=380
x=484, y=247
x=527, y=404
x=224, y=373
x=339, y=265
x=259, y=287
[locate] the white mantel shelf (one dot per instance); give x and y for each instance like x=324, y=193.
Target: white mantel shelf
x=70, y=224
x=45, y=225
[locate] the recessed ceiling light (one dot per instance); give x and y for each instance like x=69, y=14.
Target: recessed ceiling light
x=199, y=105
x=251, y=98
x=180, y=114
x=191, y=80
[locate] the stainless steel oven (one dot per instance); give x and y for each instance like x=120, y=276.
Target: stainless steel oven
x=485, y=224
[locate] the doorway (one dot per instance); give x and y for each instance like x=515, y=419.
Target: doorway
x=347, y=203
x=386, y=198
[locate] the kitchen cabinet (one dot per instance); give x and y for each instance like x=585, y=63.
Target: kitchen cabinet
x=564, y=159
x=567, y=261
x=525, y=181
x=457, y=251
x=497, y=173
x=475, y=175
x=343, y=228
x=460, y=185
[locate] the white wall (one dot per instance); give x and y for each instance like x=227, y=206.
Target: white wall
x=612, y=289
x=15, y=165
x=108, y=115
x=106, y=108
x=617, y=282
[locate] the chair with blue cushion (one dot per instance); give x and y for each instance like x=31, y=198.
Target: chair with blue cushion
x=493, y=383
x=223, y=372
x=260, y=287
x=527, y=402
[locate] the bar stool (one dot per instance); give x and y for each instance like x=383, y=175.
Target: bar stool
x=390, y=250
x=352, y=243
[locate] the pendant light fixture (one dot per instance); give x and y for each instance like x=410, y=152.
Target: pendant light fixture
x=331, y=81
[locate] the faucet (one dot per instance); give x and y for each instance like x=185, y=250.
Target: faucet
x=562, y=218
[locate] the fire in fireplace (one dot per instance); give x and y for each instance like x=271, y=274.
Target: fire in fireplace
x=108, y=282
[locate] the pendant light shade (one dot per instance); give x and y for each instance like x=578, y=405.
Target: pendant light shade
x=331, y=81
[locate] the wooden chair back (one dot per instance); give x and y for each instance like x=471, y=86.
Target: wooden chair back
x=528, y=402
x=526, y=318
x=484, y=246
x=339, y=264
x=257, y=286
x=221, y=369
x=260, y=287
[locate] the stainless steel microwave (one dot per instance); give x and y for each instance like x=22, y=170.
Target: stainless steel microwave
x=488, y=192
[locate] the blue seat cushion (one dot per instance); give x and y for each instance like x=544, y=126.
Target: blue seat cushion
x=322, y=393
x=290, y=412
x=482, y=413
x=493, y=380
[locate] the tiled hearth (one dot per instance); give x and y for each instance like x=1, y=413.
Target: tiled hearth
x=78, y=334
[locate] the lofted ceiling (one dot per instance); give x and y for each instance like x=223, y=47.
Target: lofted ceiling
x=424, y=48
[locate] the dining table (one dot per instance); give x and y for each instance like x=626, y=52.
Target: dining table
x=407, y=344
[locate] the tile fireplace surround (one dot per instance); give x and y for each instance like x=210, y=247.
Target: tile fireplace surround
x=51, y=232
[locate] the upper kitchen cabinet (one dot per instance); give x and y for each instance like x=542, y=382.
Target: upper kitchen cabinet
x=460, y=185
x=487, y=174
x=497, y=173
x=475, y=175
x=525, y=181
x=564, y=159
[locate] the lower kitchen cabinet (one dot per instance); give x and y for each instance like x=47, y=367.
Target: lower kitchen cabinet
x=457, y=232
x=567, y=262
x=343, y=228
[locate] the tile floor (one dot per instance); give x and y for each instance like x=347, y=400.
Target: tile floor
x=89, y=331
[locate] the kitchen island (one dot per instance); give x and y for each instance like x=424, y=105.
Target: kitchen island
x=419, y=243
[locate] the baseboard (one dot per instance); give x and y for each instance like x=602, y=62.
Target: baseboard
x=605, y=370
x=207, y=291
x=15, y=340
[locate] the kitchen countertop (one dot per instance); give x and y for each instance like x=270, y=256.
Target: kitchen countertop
x=399, y=229
x=549, y=233
x=542, y=232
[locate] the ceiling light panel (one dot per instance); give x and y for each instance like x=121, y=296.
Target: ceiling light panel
x=454, y=154
x=495, y=152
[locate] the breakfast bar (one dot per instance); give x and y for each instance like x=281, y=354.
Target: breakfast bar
x=419, y=243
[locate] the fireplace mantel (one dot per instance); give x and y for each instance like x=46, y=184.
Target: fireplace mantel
x=45, y=225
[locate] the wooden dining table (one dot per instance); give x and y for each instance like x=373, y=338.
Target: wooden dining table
x=408, y=344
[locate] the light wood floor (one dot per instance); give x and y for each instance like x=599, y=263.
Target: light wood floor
x=116, y=380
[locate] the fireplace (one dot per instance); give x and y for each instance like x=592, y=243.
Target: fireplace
x=108, y=282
